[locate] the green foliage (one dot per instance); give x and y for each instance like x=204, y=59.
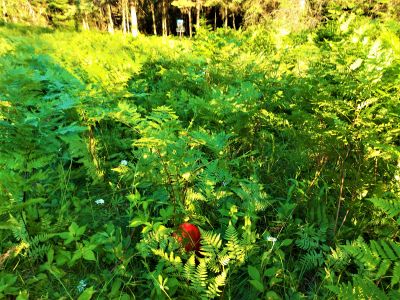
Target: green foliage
x=203, y=276
x=61, y=11
x=391, y=207
x=362, y=289
x=377, y=257
x=7, y=283
x=282, y=147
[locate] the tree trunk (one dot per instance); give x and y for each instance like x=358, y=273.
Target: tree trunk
x=226, y=16
x=31, y=12
x=233, y=21
x=198, y=7
x=100, y=21
x=302, y=5
x=110, y=20
x=134, y=24
x=190, y=21
x=164, y=17
x=78, y=14
x=128, y=26
x=123, y=16
x=215, y=18
x=85, y=22
x=153, y=17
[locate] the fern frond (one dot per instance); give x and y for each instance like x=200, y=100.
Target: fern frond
x=211, y=239
x=190, y=268
x=311, y=238
x=224, y=260
x=171, y=258
x=396, y=274
x=361, y=288
x=191, y=196
x=213, y=289
x=200, y=278
x=389, y=206
x=213, y=265
x=36, y=252
x=20, y=234
x=234, y=247
x=381, y=257
x=311, y=260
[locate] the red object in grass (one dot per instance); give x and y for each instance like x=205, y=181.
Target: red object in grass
x=189, y=236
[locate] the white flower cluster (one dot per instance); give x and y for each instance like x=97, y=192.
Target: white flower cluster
x=81, y=286
x=272, y=239
x=124, y=162
x=99, y=201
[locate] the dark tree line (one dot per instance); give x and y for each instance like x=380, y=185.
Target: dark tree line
x=159, y=16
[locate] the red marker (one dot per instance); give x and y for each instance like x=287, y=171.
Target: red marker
x=189, y=236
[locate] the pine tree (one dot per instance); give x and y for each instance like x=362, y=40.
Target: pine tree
x=61, y=12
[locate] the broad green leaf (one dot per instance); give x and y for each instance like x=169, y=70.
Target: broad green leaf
x=88, y=254
x=254, y=273
x=87, y=294
x=257, y=285
x=286, y=242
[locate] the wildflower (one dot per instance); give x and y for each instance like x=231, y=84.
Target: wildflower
x=124, y=162
x=99, y=201
x=271, y=239
x=81, y=286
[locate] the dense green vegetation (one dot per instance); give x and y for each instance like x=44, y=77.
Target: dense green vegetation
x=282, y=147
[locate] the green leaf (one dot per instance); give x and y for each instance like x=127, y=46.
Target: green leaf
x=71, y=129
x=254, y=273
x=62, y=257
x=286, y=242
x=271, y=271
x=87, y=294
x=138, y=221
x=88, y=254
x=50, y=255
x=77, y=255
x=76, y=231
x=271, y=295
x=257, y=285
x=23, y=295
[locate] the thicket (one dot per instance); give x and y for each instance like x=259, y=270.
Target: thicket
x=282, y=147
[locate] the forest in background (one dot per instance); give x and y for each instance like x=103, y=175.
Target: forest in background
x=279, y=141
x=159, y=16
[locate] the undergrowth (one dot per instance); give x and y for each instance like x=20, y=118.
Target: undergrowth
x=283, y=148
